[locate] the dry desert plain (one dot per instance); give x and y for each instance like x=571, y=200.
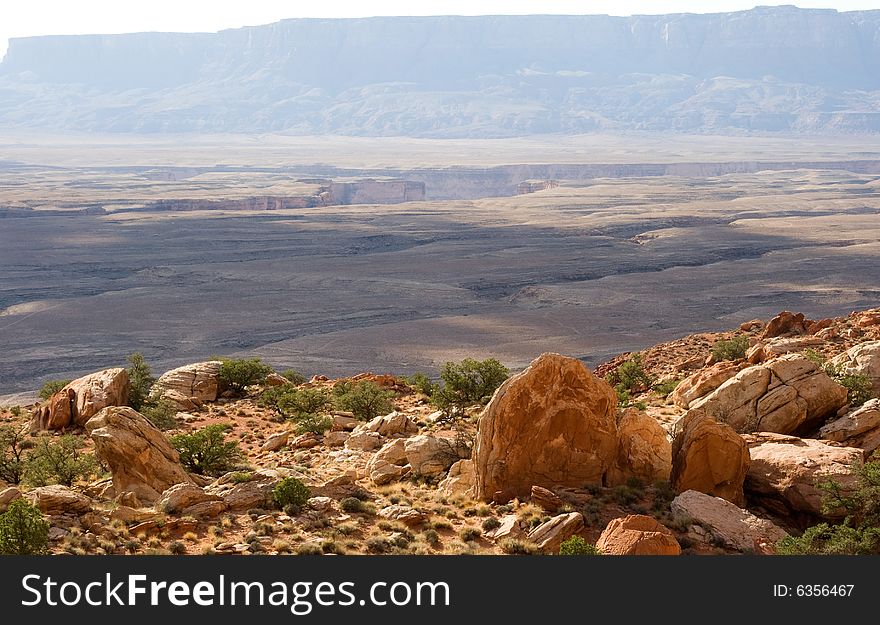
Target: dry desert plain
x=644, y=239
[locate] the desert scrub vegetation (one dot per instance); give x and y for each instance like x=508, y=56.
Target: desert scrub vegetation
x=858, y=386
x=290, y=494
x=730, y=349
x=364, y=399
x=421, y=383
x=467, y=383
x=13, y=444
x=59, y=461
x=577, y=546
x=628, y=378
x=207, y=452
x=305, y=407
x=161, y=412
x=236, y=374
x=664, y=388
x=23, y=530
x=859, y=533
x=51, y=387
x=141, y=380
x=293, y=376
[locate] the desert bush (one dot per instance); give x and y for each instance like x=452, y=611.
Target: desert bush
x=141, y=379
x=858, y=386
x=352, y=504
x=51, y=387
x=859, y=533
x=467, y=383
x=12, y=447
x=291, y=402
x=311, y=423
x=236, y=374
x=293, y=376
x=516, y=547
x=730, y=349
x=630, y=376
x=421, y=383
x=490, y=524
x=160, y=411
x=468, y=534
x=207, y=452
x=59, y=461
x=663, y=389
x=290, y=492
x=23, y=530
x=577, y=546
x=364, y=399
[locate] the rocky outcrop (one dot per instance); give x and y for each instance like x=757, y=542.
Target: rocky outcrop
x=370, y=191
x=393, y=424
x=551, y=425
x=786, y=323
x=546, y=499
x=511, y=527
x=81, y=399
x=189, y=500
x=728, y=524
x=862, y=359
x=7, y=496
x=709, y=457
x=240, y=496
x=459, y=480
x=785, y=472
x=431, y=456
x=637, y=535
x=703, y=382
x=859, y=428
x=548, y=536
x=191, y=385
x=57, y=499
x=405, y=514
x=389, y=463
x=786, y=395
x=643, y=449
x=139, y=456
x=276, y=441
x=762, y=351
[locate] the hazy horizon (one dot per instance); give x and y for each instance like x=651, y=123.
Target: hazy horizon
x=92, y=17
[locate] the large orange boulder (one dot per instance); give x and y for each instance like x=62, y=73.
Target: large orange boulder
x=83, y=398
x=709, y=457
x=703, y=382
x=552, y=425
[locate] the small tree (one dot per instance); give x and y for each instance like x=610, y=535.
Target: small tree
x=160, y=411
x=421, y=383
x=51, y=387
x=630, y=375
x=237, y=374
x=207, y=452
x=467, y=383
x=59, y=461
x=364, y=399
x=311, y=423
x=293, y=376
x=12, y=446
x=290, y=402
x=23, y=530
x=141, y=379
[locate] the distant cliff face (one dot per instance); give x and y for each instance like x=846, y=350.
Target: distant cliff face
x=768, y=69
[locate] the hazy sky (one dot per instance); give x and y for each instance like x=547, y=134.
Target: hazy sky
x=59, y=17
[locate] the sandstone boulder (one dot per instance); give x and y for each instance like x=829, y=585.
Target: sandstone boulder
x=77, y=402
x=776, y=347
x=703, y=382
x=394, y=424
x=140, y=458
x=459, y=480
x=344, y=422
x=405, y=514
x=548, y=536
x=511, y=527
x=7, y=496
x=364, y=441
x=734, y=527
x=335, y=439
x=862, y=359
x=869, y=318
x=858, y=428
x=431, y=456
x=254, y=493
x=709, y=457
x=387, y=464
x=189, y=500
x=786, y=395
x=637, y=535
x=191, y=385
x=276, y=441
x=784, y=324
x=643, y=450
x=554, y=424
x=785, y=471
x=546, y=499
x=57, y=499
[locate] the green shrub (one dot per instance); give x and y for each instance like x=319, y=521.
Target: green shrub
x=421, y=383
x=490, y=524
x=577, y=546
x=51, y=387
x=290, y=492
x=352, y=504
x=467, y=383
x=630, y=376
x=468, y=534
x=732, y=349
x=59, y=461
x=663, y=389
x=858, y=386
x=364, y=399
x=160, y=411
x=859, y=533
x=516, y=547
x=207, y=452
x=291, y=402
x=141, y=379
x=311, y=423
x=12, y=446
x=293, y=376
x=23, y=530
x=237, y=374
x=15, y=411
